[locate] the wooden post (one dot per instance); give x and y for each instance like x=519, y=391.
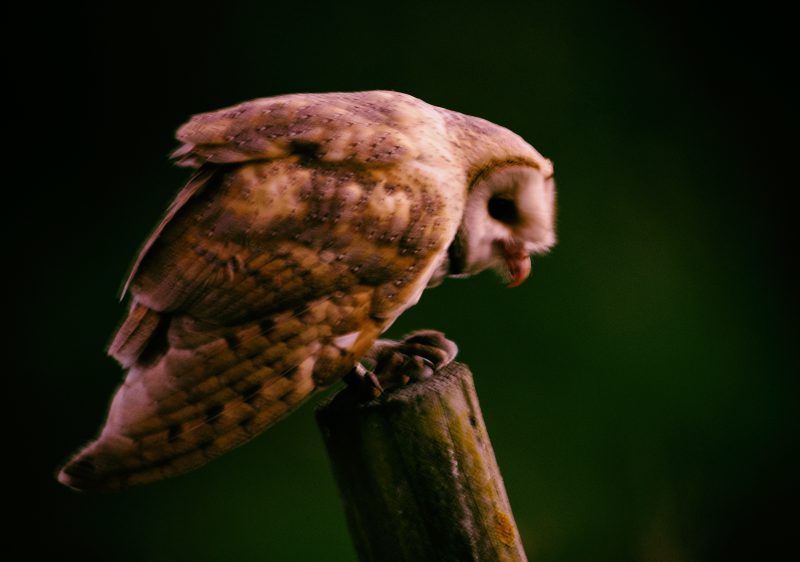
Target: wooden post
x=417, y=473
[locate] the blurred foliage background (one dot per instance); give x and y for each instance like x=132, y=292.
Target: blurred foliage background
x=639, y=389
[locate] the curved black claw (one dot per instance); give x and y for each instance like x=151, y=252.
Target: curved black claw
x=364, y=382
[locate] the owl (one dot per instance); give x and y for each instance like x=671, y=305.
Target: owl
x=310, y=223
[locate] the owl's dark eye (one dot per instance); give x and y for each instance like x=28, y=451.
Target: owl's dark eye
x=503, y=209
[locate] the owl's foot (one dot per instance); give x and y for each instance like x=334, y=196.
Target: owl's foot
x=416, y=357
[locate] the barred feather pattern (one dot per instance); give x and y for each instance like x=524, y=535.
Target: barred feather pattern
x=244, y=305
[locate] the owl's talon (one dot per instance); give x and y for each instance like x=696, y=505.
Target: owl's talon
x=364, y=382
x=424, y=369
x=373, y=383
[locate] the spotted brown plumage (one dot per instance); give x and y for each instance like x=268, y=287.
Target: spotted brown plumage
x=311, y=223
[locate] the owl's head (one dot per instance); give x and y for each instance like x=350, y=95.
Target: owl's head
x=509, y=215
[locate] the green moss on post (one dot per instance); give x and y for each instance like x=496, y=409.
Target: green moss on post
x=417, y=473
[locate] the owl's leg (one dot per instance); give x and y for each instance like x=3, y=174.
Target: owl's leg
x=415, y=357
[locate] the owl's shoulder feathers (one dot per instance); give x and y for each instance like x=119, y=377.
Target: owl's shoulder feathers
x=366, y=128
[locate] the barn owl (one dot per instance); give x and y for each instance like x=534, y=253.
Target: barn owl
x=311, y=222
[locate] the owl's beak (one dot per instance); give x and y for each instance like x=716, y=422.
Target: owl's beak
x=518, y=261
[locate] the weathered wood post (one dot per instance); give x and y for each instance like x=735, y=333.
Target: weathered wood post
x=417, y=473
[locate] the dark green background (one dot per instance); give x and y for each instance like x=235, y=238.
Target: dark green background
x=639, y=388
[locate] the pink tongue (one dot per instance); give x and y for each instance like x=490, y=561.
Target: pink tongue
x=519, y=267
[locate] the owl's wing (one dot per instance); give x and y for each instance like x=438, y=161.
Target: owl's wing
x=268, y=279
x=329, y=128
